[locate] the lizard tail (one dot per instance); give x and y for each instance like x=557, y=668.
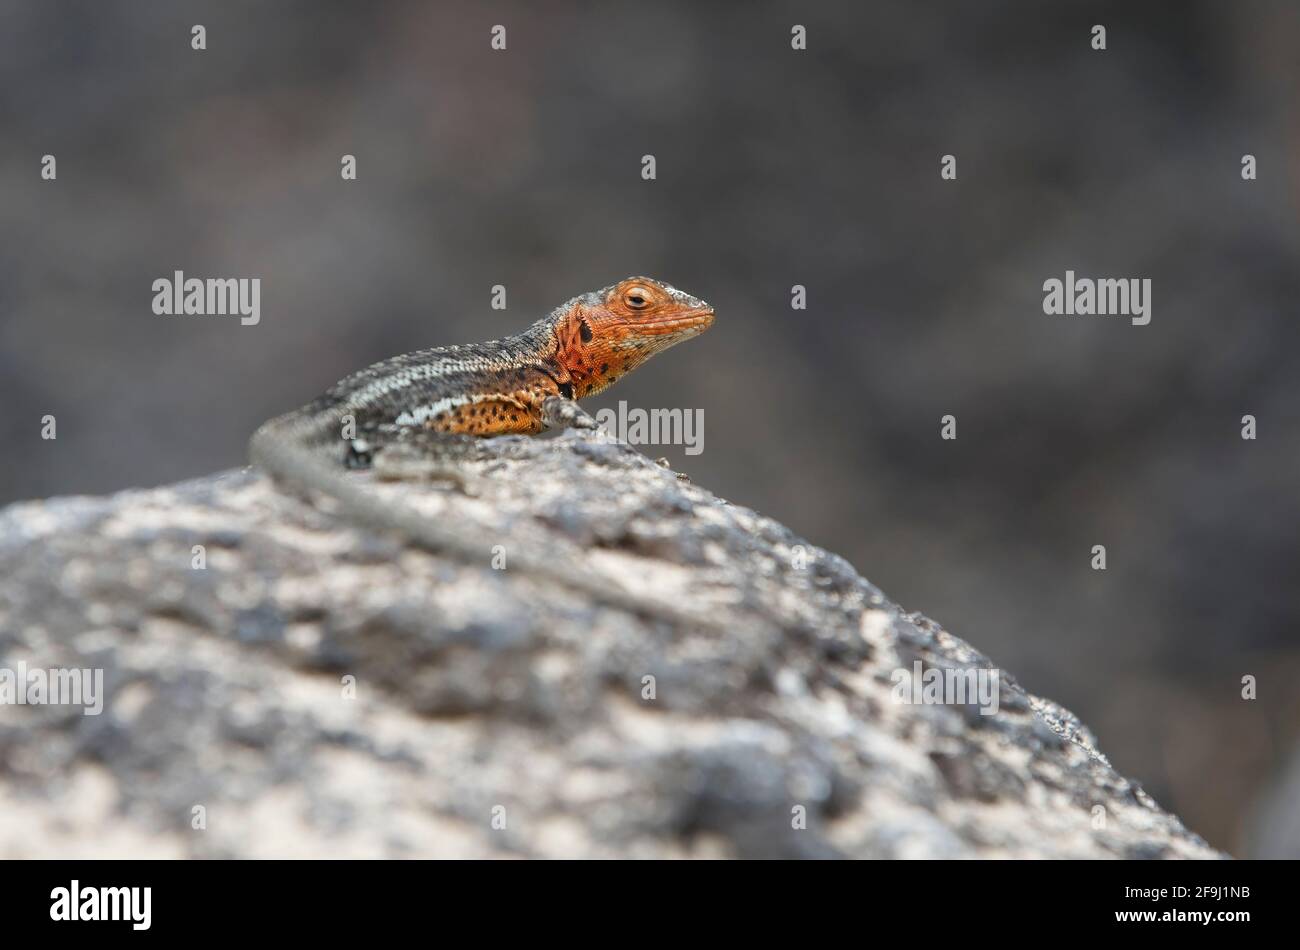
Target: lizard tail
x=289, y=449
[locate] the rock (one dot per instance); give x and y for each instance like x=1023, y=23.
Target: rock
x=321, y=690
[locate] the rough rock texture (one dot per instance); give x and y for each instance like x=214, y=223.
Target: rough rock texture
x=484, y=696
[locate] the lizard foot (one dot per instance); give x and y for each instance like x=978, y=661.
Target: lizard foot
x=560, y=413
x=395, y=465
x=360, y=454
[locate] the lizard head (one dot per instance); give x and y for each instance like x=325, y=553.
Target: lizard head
x=607, y=334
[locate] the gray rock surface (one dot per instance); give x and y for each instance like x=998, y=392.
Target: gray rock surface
x=322, y=690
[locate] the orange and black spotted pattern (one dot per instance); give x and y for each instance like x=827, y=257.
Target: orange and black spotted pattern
x=517, y=408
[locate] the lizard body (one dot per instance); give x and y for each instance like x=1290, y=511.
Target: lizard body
x=502, y=386
x=520, y=384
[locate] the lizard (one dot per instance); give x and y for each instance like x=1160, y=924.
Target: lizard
x=520, y=384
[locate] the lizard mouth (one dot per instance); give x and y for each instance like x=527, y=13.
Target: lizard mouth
x=693, y=321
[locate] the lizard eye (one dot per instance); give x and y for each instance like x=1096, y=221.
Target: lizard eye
x=637, y=298
x=584, y=331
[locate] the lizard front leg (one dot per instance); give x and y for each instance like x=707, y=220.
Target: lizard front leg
x=561, y=413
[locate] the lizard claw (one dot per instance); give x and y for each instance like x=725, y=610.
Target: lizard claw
x=360, y=454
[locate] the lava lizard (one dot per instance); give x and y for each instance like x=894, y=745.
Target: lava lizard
x=521, y=384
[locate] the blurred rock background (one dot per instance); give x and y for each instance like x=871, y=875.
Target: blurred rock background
x=774, y=168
